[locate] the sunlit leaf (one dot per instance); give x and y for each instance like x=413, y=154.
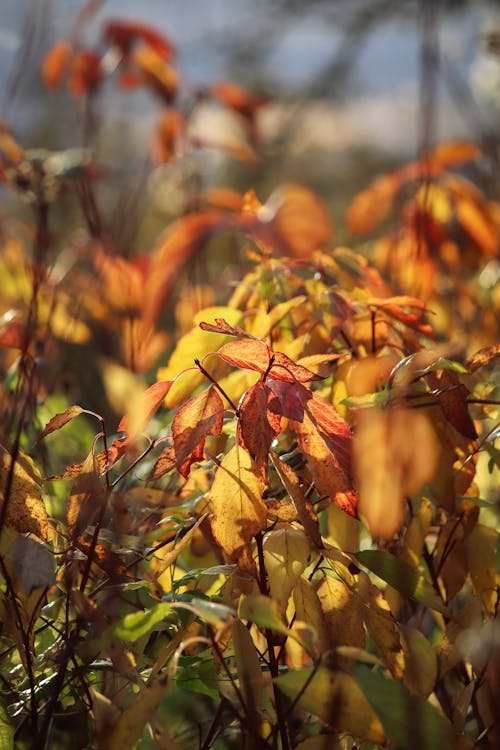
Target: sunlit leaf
x=56, y=62
x=238, y=509
x=164, y=463
x=263, y=611
x=59, y=420
x=25, y=510
x=124, y=34
x=256, y=355
x=259, y=422
x=483, y=357
x=342, y=613
x=143, y=408
x=302, y=504
x=286, y=554
x=199, y=417
x=157, y=72
x=85, y=498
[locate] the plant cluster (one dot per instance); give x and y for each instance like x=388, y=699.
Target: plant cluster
x=290, y=539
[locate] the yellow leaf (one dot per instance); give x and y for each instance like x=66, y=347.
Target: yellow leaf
x=25, y=510
x=286, y=554
x=342, y=614
x=238, y=509
x=308, y=608
x=421, y=664
x=194, y=344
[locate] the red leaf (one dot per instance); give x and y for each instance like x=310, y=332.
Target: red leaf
x=202, y=415
x=413, y=318
x=256, y=355
x=14, y=336
x=85, y=74
x=56, y=63
x=452, y=395
x=258, y=424
x=292, y=402
x=123, y=34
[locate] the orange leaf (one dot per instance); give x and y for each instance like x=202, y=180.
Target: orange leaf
x=236, y=97
x=222, y=326
x=258, y=424
x=85, y=74
x=478, y=225
x=414, y=318
x=143, y=409
x=182, y=241
x=123, y=34
x=59, y=420
x=202, y=415
x=168, y=135
x=451, y=153
x=296, y=220
x=238, y=509
x=256, y=355
x=163, y=77
x=371, y=206
x=395, y=454
x=56, y=63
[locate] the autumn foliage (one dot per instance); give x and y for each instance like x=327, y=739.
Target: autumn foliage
x=289, y=539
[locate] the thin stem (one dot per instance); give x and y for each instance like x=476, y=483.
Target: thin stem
x=216, y=384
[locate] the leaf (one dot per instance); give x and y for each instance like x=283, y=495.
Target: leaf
x=451, y=153
x=256, y=355
x=56, y=63
x=413, y=318
x=85, y=498
x=452, y=396
x=180, y=243
x=59, y=420
x=238, y=509
x=297, y=219
x=409, y=720
x=6, y=731
x=251, y=679
x=342, y=614
x=401, y=576
x=477, y=224
x=286, y=554
x=14, y=335
x=308, y=609
x=157, y=72
x=371, y=206
x=302, y=504
x=421, y=665
x=25, y=511
x=335, y=698
x=123, y=34
x=222, y=326
x=216, y=614
x=395, y=454
x=263, y=611
x=143, y=408
x=483, y=357
x=164, y=463
x=259, y=422
x=202, y=415
x=33, y=563
x=85, y=74
x=136, y=624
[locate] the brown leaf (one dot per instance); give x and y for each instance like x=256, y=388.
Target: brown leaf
x=14, y=335
x=302, y=504
x=414, y=317
x=222, y=326
x=371, y=206
x=164, y=464
x=238, y=509
x=256, y=355
x=202, y=415
x=25, y=511
x=259, y=423
x=59, y=420
x=483, y=357
x=85, y=498
x=452, y=395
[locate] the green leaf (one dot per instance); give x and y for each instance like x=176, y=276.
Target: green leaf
x=136, y=624
x=401, y=576
x=263, y=611
x=369, y=399
x=409, y=720
x=6, y=731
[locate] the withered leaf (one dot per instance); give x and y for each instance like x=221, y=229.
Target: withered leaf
x=202, y=415
x=59, y=420
x=483, y=357
x=33, y=562
x=85, y=498
x=25, y=510
x=452, y=396
x=222, y=326
x=164, y=464
x=303, y=506
x=259, y=423
x=238, y=509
